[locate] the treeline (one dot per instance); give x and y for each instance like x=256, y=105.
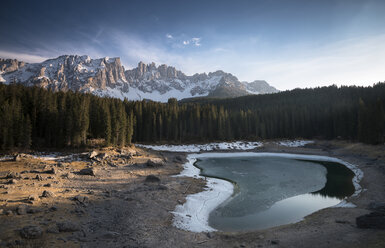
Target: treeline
x=40, y=118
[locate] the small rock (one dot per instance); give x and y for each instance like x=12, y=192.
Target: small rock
x=33, y=198
x=53, y=208
x=9, y=212
x=154, y=162
x=12, y=181
x=47, y=185
x=51, y=171
x=261, y=236
x=13, y=175
x=47, y=194
x=162, y=187
x=81, y=199
x=39, y=178
x=67, y=226
x=17, y=158
x=1, y=211
x=374, y=220
x=87, y=172
x=22, y=209
x=31, y=232
x=152, y=179
x=92, y=154
x=210, y=235
x=274, y=242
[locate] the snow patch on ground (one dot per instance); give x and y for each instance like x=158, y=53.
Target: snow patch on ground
x=5, y=158
x=193, y=215
x=239, y=145
x=294, y=143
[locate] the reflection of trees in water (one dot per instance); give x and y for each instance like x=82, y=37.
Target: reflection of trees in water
x=339, y=180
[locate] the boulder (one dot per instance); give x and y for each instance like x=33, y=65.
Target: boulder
x=152, y=179
x=67, y=226
x=87, y=172
x=22, y=209
x=374, y=220
x=12, y=181
x=81, y=199
x=22, y=156
x=31, y=232
x=51, y=171
x=33, y=198
x=39, y=178
x=13, y=175
x=92, y=154
x=155, y=162
x=47, y=194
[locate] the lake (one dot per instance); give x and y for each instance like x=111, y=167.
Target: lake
x=273, y=190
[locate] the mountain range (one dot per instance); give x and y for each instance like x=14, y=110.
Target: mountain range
x=107, y=77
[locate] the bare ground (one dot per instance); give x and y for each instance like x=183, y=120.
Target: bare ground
x=117, y=207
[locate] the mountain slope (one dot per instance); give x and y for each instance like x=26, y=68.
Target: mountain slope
x=107, y=77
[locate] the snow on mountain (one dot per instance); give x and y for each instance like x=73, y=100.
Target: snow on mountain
x=107, y=77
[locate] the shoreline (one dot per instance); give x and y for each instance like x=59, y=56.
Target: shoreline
x=118, y=205
x=193, y=215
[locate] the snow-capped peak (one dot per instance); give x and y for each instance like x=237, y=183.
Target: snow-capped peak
x=107, y=77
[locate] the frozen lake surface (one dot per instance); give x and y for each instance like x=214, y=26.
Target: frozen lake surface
x=272, y=191
x=251, y=191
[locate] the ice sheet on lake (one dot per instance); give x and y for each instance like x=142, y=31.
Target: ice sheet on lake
x=238, y=145
x=193, y=215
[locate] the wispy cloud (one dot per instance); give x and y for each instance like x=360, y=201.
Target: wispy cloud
x=169, y=36
x=354, y=61
x=193, y=41
x=196, y=41
x=30, y=58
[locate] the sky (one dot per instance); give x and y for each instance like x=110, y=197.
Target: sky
x=290, y=44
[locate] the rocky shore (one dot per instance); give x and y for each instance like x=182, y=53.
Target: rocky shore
x=125, y=198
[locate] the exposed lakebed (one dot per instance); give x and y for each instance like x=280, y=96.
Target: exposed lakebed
x=267, y=190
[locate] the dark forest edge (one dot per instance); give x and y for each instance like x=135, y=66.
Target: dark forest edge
x=33, y=117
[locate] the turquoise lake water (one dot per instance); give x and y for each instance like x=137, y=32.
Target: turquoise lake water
x=272, y=191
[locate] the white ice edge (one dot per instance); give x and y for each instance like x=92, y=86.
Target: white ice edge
x=294, y=143
x=193, y=215
x=238, y=145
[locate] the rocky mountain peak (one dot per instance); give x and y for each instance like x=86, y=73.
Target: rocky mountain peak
x=107, y=77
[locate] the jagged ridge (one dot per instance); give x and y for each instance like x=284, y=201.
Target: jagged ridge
x=107, y=77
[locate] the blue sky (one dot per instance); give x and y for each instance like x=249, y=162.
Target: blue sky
x=287, y=43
